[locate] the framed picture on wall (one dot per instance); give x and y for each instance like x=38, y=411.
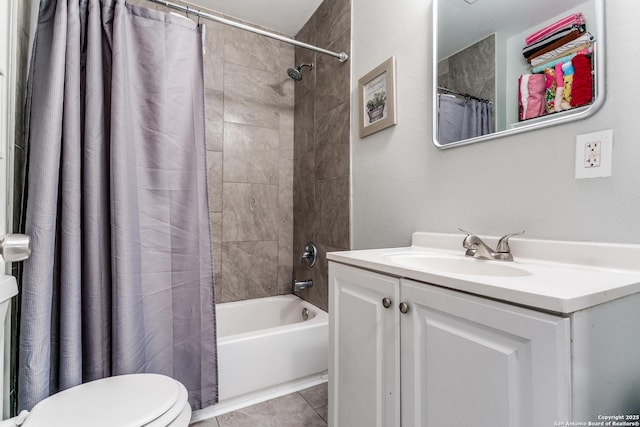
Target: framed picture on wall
x=377, y=98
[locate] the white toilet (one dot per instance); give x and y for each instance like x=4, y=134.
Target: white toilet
x=136, y=400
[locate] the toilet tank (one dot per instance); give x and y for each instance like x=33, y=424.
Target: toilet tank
x=8, y=289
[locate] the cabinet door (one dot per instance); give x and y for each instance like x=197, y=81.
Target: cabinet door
x=473, y=361
x=364, y=346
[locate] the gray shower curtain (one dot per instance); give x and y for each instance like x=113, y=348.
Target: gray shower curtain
x=121, y=278
x=460, y=119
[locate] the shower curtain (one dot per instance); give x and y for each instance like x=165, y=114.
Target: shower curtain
x=121, y=278
x=460, y=119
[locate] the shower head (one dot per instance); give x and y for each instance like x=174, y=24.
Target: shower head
x=295, y=73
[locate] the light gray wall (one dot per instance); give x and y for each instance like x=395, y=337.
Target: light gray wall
x=401, y=183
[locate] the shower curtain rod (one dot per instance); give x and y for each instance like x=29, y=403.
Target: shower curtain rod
x=342, y=56
x=465, y=95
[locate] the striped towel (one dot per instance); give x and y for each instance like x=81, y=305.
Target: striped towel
x=567, y=22
x=581, y=43
x=552, y=42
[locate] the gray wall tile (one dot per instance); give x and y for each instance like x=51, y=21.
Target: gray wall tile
x=250, y=154
x=216, y=239
x=287, y=132
x=285, y=215
x=249, y=270
x=332, y=143
x=251, y=50
x=304, y=230
x=333, y=78
x=285, y=191
x=305, y=92
x=214, y=180
x=333, y=19
x=214, y=56
x=307, y=34
x=249, y=113
x=249, y=212
x=252, y=97
x=304, y=131
x=333, y=212
x=285, y=275
x=213, y=109
x=286, y=60
x=322, y=152
x=472, y=70
x=304, y=193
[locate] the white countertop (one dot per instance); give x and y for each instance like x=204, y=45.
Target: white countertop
x=564, y=276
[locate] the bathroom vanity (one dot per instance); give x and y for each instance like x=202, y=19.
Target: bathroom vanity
x=424, y=336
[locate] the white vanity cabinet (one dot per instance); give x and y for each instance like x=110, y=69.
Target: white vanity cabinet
x=452, y=359
x=364, y=348
x=473, y=361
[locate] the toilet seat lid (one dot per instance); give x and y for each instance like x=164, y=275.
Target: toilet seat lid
x=124, y=401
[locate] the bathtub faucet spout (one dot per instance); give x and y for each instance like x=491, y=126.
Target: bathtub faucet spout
x=299, y=285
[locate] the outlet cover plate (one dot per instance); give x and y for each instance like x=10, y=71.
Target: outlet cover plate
x=594, y=154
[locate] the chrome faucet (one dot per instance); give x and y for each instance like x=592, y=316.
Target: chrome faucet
x=309, y=254
x=478, y=249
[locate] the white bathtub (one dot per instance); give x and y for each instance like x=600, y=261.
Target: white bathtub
x=266, y=350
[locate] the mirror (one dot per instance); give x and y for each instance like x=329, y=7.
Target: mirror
x=502, y=67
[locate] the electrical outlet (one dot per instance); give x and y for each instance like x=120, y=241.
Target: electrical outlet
x=594, y=154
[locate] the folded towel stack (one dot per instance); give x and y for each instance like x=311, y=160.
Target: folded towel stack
x=560, y=54
x=557, y=41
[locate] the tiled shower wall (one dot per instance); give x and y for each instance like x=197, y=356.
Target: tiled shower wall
x=321, y=153
x=472, y=70
x=249, y=113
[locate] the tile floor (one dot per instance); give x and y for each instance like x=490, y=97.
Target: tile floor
x=306, y=408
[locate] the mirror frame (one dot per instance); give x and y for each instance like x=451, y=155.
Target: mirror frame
x=567, y=116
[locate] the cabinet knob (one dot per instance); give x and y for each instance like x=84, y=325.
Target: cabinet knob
x=386, y=302
x=404, y=308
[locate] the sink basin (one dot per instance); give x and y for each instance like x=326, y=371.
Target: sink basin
x=458, y=265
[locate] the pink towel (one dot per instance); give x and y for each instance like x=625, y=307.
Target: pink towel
x=559, y=88
x=567, y=22
x=532, y=96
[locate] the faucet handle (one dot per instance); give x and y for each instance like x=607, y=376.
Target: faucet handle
x=471, y=250
x=310, y=254
x=465, y=243
x=503, y=243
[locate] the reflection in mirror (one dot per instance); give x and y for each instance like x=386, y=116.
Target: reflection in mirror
x=509, y=66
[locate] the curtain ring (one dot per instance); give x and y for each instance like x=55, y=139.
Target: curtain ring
x=186, y=12
x=199, y=15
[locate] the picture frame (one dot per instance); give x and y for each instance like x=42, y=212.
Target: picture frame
x=377, y=98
